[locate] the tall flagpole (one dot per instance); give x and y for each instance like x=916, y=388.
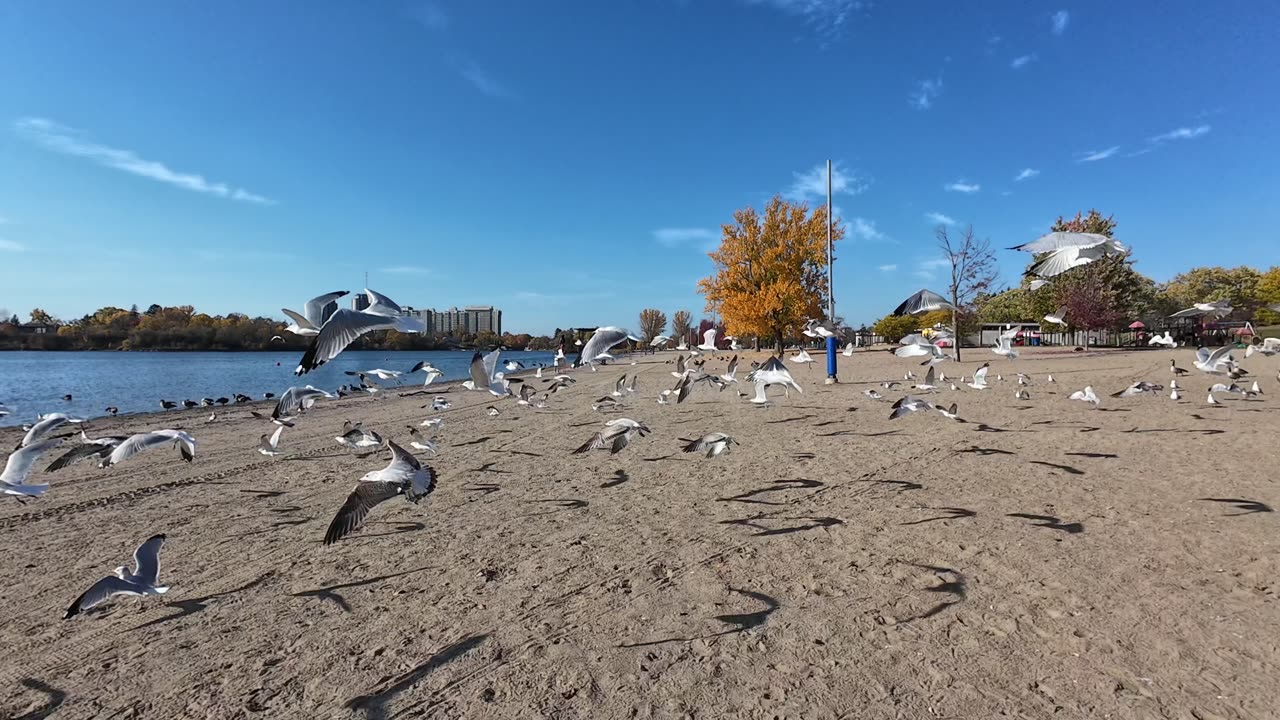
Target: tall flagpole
x=831, y=289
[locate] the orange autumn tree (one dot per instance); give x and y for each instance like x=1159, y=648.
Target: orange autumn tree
x=770, y=274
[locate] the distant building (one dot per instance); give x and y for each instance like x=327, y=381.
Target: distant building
x=359, y=302
x=327, y=311
x=471, y=320
x=35, y=328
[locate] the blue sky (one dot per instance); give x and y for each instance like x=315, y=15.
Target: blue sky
x=570, y=162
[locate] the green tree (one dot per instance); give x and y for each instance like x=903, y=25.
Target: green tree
x=1091, y=223
x=40, y=316
x=895, y=327
x=1269, y=297
x=1239, y=285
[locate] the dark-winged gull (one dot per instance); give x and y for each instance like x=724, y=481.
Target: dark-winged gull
x=615, y=436
x=143, y=581
x=713, y=443
x=344, y=326
x=403, y=476
x=922, y=302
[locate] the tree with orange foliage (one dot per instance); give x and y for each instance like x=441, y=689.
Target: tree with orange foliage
x=770, y=272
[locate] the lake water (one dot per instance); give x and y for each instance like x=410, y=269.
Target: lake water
x=34, y=382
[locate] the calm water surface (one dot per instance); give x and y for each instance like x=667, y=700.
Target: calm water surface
x=34, y=382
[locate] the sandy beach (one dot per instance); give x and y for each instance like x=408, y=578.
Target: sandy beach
x=1043, y=559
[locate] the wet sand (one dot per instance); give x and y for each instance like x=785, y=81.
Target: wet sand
x=1043, y=559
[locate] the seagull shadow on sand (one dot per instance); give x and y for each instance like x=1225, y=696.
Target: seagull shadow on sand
x=837, y=433
x=949, y=513
x=985, y=451
x=523, y=452
x=477, y=441
x=1094, y=455
x=331, y=592
x=374, y=705
x=740, y=622
x=564, y=504
x=264, y=493
x=488, y=468
x=1051, y=522
x=1249, y=507
x=778, y=486
x=903, y=485
x=619, y=477
x=400, y=527
x=814, y=522
x=956, y=588
x=195, y=605
x=56, y=698
x=482, y=488
x=790, y=419
x=1058, y=466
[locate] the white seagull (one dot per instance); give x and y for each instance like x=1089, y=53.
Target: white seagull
x=713, y=443
x=344, y=326
x=848, y=350
x=802, y=357
x=708, y=340
x=916, y=345
x=269, y=445
x=46, y=424
x=484, y=375
x=928, y=383
x=659, y=342
x=143, y=581
x=1058, y=317
x=433, y=373
x=1086, y=395
x=403, y=476
x=1217, y=362
x=420, y=441
x=979, y=379
x=13, y=481
x=772, y=372
x=615, y=436
x=601, y=341
x=312, y=316
x=147, y=440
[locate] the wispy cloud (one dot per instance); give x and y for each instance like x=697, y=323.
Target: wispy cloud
x=827, y=17
x=675, y=237
x=1182, y=133
x=11, y=246
x=888, y=268
x=430, y=16
x=1059, y=21
x=928, y=269
x=483, y=81
x=813, y=183
x=865, y=230
x=938, y=218
x=1021, y=61
x=405, y=270
x=58, y=138
x=1026, y=174
x=1096, y=155
x=925, y=93
x=962, y=186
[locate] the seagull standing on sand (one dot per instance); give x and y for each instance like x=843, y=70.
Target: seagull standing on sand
x=143, y=581
x=615, y=436
x=602, y=340
x=403, y=476
x=1173, y=394
x=713, y=443
x=312, y=317
x=979, y=379
x=344, y=326
x=147, y=440
x=13, y=481
x=1086, y=395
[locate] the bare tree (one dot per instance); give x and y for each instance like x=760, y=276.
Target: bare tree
x=652, y=323
x=973, y=271
x=681, y=325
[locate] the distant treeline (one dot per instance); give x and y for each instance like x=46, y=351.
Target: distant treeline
x=182, y=328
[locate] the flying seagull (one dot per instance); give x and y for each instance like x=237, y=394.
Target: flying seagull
x=601, y=341
x=709, y=340
x=922, y=302
x=1086, y=395
x=772, y=372
x=917, y=346
x=89, y=448
x=295, y=400
x=485, y=375
x=46, y=424
x=816, y=329
x=713, y=443
x=344, y=326
x=379, y=373
x=269, y=445
x=615, y=436
x=659, y=342
x=1215, y=309
x=357, y=438
x=13, y=481
x=147, y=440
x=433, y=373
x=1058, y=252
x=1217, y=362
x=1138, y=388
x=979, y=379
x=1059, y=316
x=929, y=382
x=143, y=581
x=403, y=476
x=312, y=316
x=420, y=441
x=1004, y=344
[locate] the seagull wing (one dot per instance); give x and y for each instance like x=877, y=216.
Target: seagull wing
x=147, y=560
x=1057, y=262
x=1218, y=356
x=1059, y=240
x=83, y=452
x=384, y=304
x=301, y=321
x=363, y=498
x=314, y=309
x=145, y=441
x=621, y=384
x=99, y=593
x=733, y=366
x=603, y=339
x=480, y=375
x=18, y=466
x=340, y=331
x=596, y=442
x=47, y=424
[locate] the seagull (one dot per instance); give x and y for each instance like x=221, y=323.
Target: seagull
x=1086, y=395
x=147, y=440
x=1050, y=379
x=1138, y=388
x=631, y=386
x=484, y=375
x=729, y=375
x=1004, y=345
x=772, y=372
x=1058, y=252
x=1267, y=350
x=143, y=581
x=1212, y=400
x=815, y=329
x=376, y=372
x=3, y=410
x=1215, y=309
x=1173, y=394
x=344, y=326
x=713, y=443
x=212, y=417
x=403, y=476
x=312, y=316
x=13, y=481
x=433, y=423
x=681, y=370
x=1023, y=379
x=269, y=445
x=601, y=341
x=1255, y=389
x=708, y=340
x=979, y=379
x=294, y=401
x=659, y=342
x=513, y=365
x=538, y=373
x=420, y=442
x=1232, y=388
x=605, y=403
x=909, y=376
x=615, y=436
x=734, y=345
x=1217, y=362
x=620, y=385
x=560, y=381
x=526, y=394
x=953, y=387
x=872, y=394
x=682, y=388
x=848, y=350
x=929, y=382
x=433, y=373
x=357, y=438
x=910, y=404
x=493, y=411
x=88, y=448
x=917, y=346
x=1058, y=317
x=46, y=424
x=802, y=357
x=1021, y=394
x=1165, y=340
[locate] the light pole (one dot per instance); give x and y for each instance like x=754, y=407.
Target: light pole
x=831, y=290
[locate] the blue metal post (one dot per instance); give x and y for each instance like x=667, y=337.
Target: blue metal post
x=831, y=357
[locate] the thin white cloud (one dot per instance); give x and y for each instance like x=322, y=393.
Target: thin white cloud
x=58, y=138
x=888, y=268
x=1026, y=174
x=1182, y=133
x=11, y=246
x=827, y=17
x=484, y=82
x=674, y=237
x=430, y=16
x=813, y=183
x=1021, y=61
x=865, y=230
x=1060, y=20
x=938, y=218
x=962, y=186
x=405, y=270
x=928, y=269
x=925, y=93
x=1096, y=155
